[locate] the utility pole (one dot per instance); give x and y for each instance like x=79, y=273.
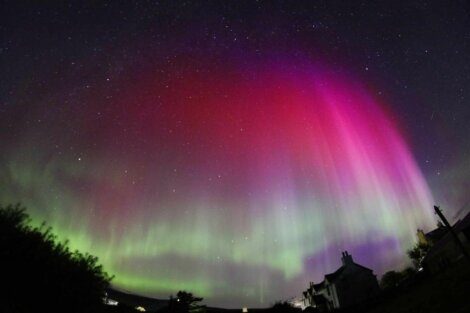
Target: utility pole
x=451, y=230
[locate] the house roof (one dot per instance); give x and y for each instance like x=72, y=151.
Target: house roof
x=333, y=276
x=436, y=234
x=463, y=223
x=444, y=241
x=319, y=286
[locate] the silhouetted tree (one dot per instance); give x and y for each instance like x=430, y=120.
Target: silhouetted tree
x=408, y=273
x=40, y=274
x=186, y=302
x=417, y=254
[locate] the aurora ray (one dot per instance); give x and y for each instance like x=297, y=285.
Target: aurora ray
x=241, y=183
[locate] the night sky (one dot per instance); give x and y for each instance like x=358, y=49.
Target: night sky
x=234, y=149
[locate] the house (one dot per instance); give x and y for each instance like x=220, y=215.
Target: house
x=445, y=251
x=433, y=236
x=351, y=284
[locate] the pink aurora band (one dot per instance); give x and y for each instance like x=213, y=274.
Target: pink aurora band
x=243, y=184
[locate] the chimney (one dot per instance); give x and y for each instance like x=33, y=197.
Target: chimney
x=346, y=258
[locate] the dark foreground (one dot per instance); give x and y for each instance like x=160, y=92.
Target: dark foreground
x=445, y=292
x=448, y=292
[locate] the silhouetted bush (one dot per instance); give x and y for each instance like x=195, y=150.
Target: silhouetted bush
x=284, y=306
x=310, y=309
x=40, y=274
x=391, y=279
x=185, y=302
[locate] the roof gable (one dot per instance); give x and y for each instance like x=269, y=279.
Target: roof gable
x=336, y=274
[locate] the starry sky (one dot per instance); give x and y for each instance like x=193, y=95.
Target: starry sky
x=234, y=149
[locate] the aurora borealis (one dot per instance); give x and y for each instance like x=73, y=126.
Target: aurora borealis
x=237, y=176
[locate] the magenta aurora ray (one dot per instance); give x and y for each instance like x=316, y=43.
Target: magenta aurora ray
x=241, y=183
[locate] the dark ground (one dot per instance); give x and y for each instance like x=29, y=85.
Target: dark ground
x=446, y=292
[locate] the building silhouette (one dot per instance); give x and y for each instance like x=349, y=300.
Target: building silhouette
x=349, y=285
x=444, y=251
